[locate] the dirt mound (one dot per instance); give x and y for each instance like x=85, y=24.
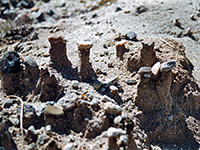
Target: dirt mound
x=155, y=105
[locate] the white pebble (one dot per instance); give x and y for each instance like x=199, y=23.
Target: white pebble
x=111, y=108
x=75, y=83
x=113, y=132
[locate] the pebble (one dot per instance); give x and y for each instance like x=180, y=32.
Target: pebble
x=147, y=75
x=30, y=62
x=113, y=132
x=68, y=146
x=39, y=16
x=141, y=9
x=123, y=139
x=95, y=101
x=54, y=110
x=167, y=66
x=113, y=89
x=34, y=36
x=7, y=103
x=10, y=62
x=14, y=120
x=144, y=70
x=97, y=84
x=110, y=64
x=130, y=81
x=84, y=44
x=83, y=102
x=48, y=128
x=156, y=67
x=117, y=119
x=131, y=36
x=110, y=81
x=60, y=4
x=107, y=99
x=75, y=84
x=111, y=108
x=118, y=9
x=32, y=129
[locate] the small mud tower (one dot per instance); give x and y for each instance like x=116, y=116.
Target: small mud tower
x=85, y=70
x=58, y=53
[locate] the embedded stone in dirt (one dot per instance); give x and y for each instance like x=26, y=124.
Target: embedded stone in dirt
x=10, y=62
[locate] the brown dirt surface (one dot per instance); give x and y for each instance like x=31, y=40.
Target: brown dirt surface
x=100, y=74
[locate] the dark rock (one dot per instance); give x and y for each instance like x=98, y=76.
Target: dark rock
x=131, y=36
x=50, y=12
x=141, y=9
x=118, y=9
x=10, y=62
x=45, y=1
x=39, y=16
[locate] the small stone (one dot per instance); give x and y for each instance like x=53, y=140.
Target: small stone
x=39, y=16
x=113, y=89
x=130, y=81
x=95, y=101
x=118, y=9
x=68, y=146
x=97, y=84
x=34, y=36
x=147, y=75
x=22, y=20
x=75, y=84
x=144, y=70
x=192, y=17
x=84, y=45
x=111, y=108
x=156, y=67
x=167, y=66
x=10, y=62
x=141, y=9
x=48, y=128
x=83, y=102
x=106, y=99
x=67, y=102
x=113, y=132
x=54, y=110
x=131, y=36
x=32, y=130
x=103, y=90
x=110, y=64
x=14, y=120
x=123, y=139
x=177, y=23
x=117, y=119
x=110, y=81
x=60, y=4
x=7, y=103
